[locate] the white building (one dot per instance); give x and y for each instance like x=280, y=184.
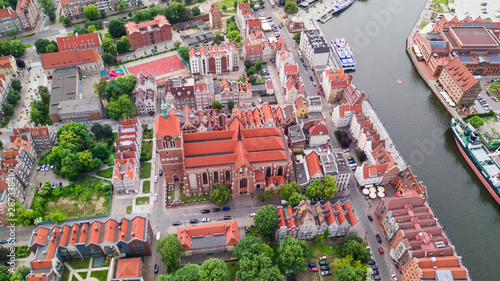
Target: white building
x=314, y=47
x=214, y=59
x=342, y=114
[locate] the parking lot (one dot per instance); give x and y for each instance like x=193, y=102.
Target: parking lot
x=475, y=8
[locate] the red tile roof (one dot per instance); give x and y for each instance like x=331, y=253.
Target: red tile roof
x=69, y=58
x=167, y=127
x=5, y=62
x=7, y=13
x=462, y=76
x=82, y=41
x=138, y=224
x=300, y=102
x=291, y=68
x=281, y=221
x=266, y=112
x=253, y=49
x=128, y=268
x=291, y=220
x=230, y=229
x=318, y=129
x=313, y=164
x=375, y=170
x=340, y=213
x=159, y=20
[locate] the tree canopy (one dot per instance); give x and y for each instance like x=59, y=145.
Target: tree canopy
x=170, y=250
x=123, y=45
x=220, y=194
x=216, y=105
x=213, y=270
x=293, y=254
x=116, y=27
x=91, y=12
x=266, y=220
x=120, y=108
x=12, y=47
x=108, y=46
x=184, y=52
x=476, y=121
x=349, y=273
x=288, y=189
x=291, y=7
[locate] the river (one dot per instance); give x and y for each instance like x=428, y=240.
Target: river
x=419, y=125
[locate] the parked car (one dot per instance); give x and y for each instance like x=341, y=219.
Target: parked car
x=205, y=220
x=252, y=215
x=156, y=179
x=313, y=269
x=194, y=221
x=52, y=167
x=161, y=173
x=157, y=267
x=155, y=197
x=206, y=211
x=370, y=218
x=374, y=267
x=378, y=238
x=325, y=273
x=176, y=223
x=380, y=250
x=215, y=210
x=394, y=278
x=11, y=240
x=312, y=265
x=310, y=77
x=39, y=167
x=494, y=99
x=322, y=258
x=225, y=209
x=3, y=241
x=375, y=272
x=158, y=236
x=226, y=217
x=377, y=278
x=371, y=262
x=323, y=263
x=325, y=267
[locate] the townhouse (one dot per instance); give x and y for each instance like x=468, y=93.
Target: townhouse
x=343, y=114
x=315, y=49
x=146, y=94
x=215, y=16
x=8, y=66
x=73, y=9
x=236, y=91
x=214, y=59
x=333, y=82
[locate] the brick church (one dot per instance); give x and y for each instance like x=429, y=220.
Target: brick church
x=245, y=160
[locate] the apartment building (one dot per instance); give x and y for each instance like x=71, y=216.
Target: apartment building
x=88, y=61
x=118, y=238
x=80, y=42
x=148, y=32
x=127, y=157
x=406, y=180
x=179, y=92
x=238, y=92
x=73, y=9
x=343, y=114
x=300, y=107
x=334, y=81
x=43, y=137
x=146, y=94
x=459, y=83
x=214, y=59
x=306, y=221
x=28, y=12
x=215, y=16
x=9, y=20
x=209, y=238
x=4, y=87
x=314, y=47
x=204, y=92
x=8, y=66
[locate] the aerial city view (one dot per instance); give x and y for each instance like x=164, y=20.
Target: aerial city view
x=218, y=140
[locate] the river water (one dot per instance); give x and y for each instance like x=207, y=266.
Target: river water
x=419, y=125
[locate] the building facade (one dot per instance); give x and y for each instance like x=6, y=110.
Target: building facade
x=314, y=47
x=8, y=65
x=149, y=32
x=209, y=238
x=9, y=20
x=214, y=59
x=333, y=83
x=215, y=17
x=28, y=13
x=179, y=92
x=80, y=42
x=127, y=157
x=459, y=83
x=146, y=94
x=86, y=61
x=73, y=9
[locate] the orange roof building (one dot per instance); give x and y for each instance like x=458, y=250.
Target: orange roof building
x=53, y=246
x=215, y=16
x=129, y=269
x=80, y=41
x=148, y=32
x=459, y=83
x=8, y=65
x=88, y=60
x=334, y=82
x=231, y=157
x=209, y=238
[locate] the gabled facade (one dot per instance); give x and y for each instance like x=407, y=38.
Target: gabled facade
x=146, y=94
x=314, y=167
x=73, y=9
x=148, y=32
x=236, y=91
x=214, y=59
x=127, y=157
x=179, y=92
x=334, y=82
x=300, y=107
x=28, y=12
x=8, y=66
x=215, y=16
x=4, y=87
x=343, y=114
x=209, y=238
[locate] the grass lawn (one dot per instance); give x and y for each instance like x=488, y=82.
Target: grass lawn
x=107, y=35
x=83, y=274
x=148, y=134
x=146, y=186
x=423, y=24
x=493, y=88
x=129, y=210
x=192, y=198
x=100, y=275
x=106, y=173
x=325, y=249
x=79, y=264
x=439, y=1
x=231, y=11
x=145, y=170
x=74, y=278
x=142, y=200
x=5, y=123
x=233, y=267
x=147, y=150
x=22, y=252
x=65, y=276
x=228, y=3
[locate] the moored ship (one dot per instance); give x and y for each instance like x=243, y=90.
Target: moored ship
x=478, y=157
x=343, y=54
x=339, y=6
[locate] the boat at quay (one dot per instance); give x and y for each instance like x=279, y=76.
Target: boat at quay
x=343, y=54
x=477, y=156
x=339, y=6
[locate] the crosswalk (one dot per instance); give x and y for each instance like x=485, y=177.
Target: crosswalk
x=36, y=64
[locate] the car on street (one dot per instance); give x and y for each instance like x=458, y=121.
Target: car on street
x=377, y=278
x=371, y=262
x=155, y=197
x=215, y=210
x=252, y=214
x=157, y=267
x=380, y=250
x=375, y=272
x=494, y=99
x=156, y=179
x=225, y=209
x=194, y=221
x=206, y=211
x=325, y=267
x=158, y=236
x=11, y=240
x=39, y=167
x=176, y=223
x=295, y=46
x=54, y=185
x=205, y=220
x=312, y=265
x=370, y=218
x=161, y=173
x=269, y=18
x=378, y=238
x=226, y=218
x=3, y=241
x=52, y=167
x=484, y=4
x=313, y=269
x=374, y=267
x=310, y=77
x=394, y=277
x=325, y=273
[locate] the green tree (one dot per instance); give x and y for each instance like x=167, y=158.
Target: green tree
x=57, y=216
x=224, y=7
x=476, y=121
x=79, y=129
x=16, y=85
x=91, y=12
x=315, y=189
x=293, y=254
x=7, y=109
x=189, y=272
x=1, y=145
x=252, y=79
x=235, y=4
x=249, y=72
x=295, y=199
x=230, y=105
x=108, y=46
x=356, y=250
x=91, y=29
x=258, y=65
x=51, y=48
x=216, y=105
x=13, y=97
x=116, y=28
x=250, y=245
x=121, y=5
x=196, y=11
x=214, y=270
x=123, y=45
x=170, y=250
x=12, y=32
x=252, y=265
x=4, y=273
x=121, y=108
x=184, y=53
x=126, y=83
x=291, y=7
x=66, y=22
x=108, y=59
x=44, y=94
x=266, y=220
x=296, y=37
x=80, y=29
x=175, y=12
x=38, y=112
x=288, y=189
x=220, y=194
x=261, y=3
x=271, y=274
x=103, y=13
x=96, y=129
x=101, y=151
x=45, y=189
x=362, y=156
x=349, y=273
x=107, y=131
x=219, y=38
x=330, y=187
x=234, y=36
x=86, y=160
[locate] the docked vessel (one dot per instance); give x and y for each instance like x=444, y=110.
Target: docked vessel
x=339, y=6
x=478, y=157
x=343, y=54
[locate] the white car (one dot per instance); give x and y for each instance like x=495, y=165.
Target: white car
x=155, y=197
x=156, y=179
x=205, y=220
x=252, y=214
x=158, y=235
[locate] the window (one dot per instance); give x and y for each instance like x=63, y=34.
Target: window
x=228, y=176
x=268, y=172
x=216, y=177
x=280, y=171
x=243, y=183
x=205, y=178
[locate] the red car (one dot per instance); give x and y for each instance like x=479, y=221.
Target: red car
x=319, y=94
x=380, y=250
x=313, y=269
